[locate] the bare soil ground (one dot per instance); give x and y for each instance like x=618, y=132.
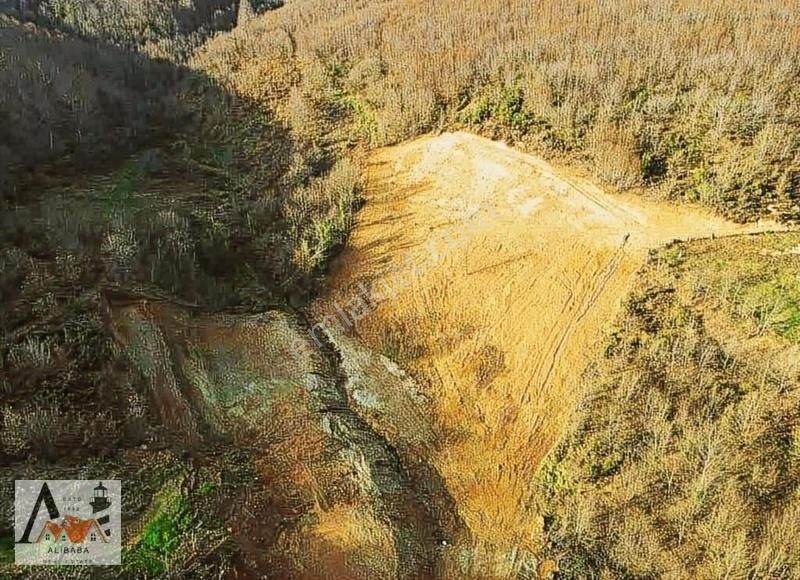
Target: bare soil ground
x=497, y=274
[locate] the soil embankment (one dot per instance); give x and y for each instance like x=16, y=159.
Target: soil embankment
x=493, y=274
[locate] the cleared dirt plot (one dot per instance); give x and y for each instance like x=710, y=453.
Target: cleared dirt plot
x=493, y=276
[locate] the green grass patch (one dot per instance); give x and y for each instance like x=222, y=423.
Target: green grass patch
x=673, y=256
x=207, y=488
x=364, y=116
x=162, y=534
x=504, y=105
x=552, y=477
x=755, y=278
x=6, y=549
x=775, y=304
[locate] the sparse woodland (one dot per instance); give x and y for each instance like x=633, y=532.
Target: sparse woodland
x=684, y=461
x=691, y=100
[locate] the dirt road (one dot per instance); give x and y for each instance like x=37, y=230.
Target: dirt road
x=498, y=275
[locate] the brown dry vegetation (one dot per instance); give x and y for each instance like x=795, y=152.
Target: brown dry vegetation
x=61, y=96
x=695, y=100
x=685, y=459
x=121, y=169
x=166, y=27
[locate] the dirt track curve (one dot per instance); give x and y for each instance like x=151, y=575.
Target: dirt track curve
x=496, y=276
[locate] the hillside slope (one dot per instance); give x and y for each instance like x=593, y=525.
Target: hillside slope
x=221, y=188
x=684, y=459
x=494, y=275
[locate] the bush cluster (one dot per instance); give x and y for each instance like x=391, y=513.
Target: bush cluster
x=685, y=458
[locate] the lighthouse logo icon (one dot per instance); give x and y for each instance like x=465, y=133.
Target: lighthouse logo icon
x=67, y=522
x=100, y=501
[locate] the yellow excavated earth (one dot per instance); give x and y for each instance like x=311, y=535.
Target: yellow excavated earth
x=494, y=275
